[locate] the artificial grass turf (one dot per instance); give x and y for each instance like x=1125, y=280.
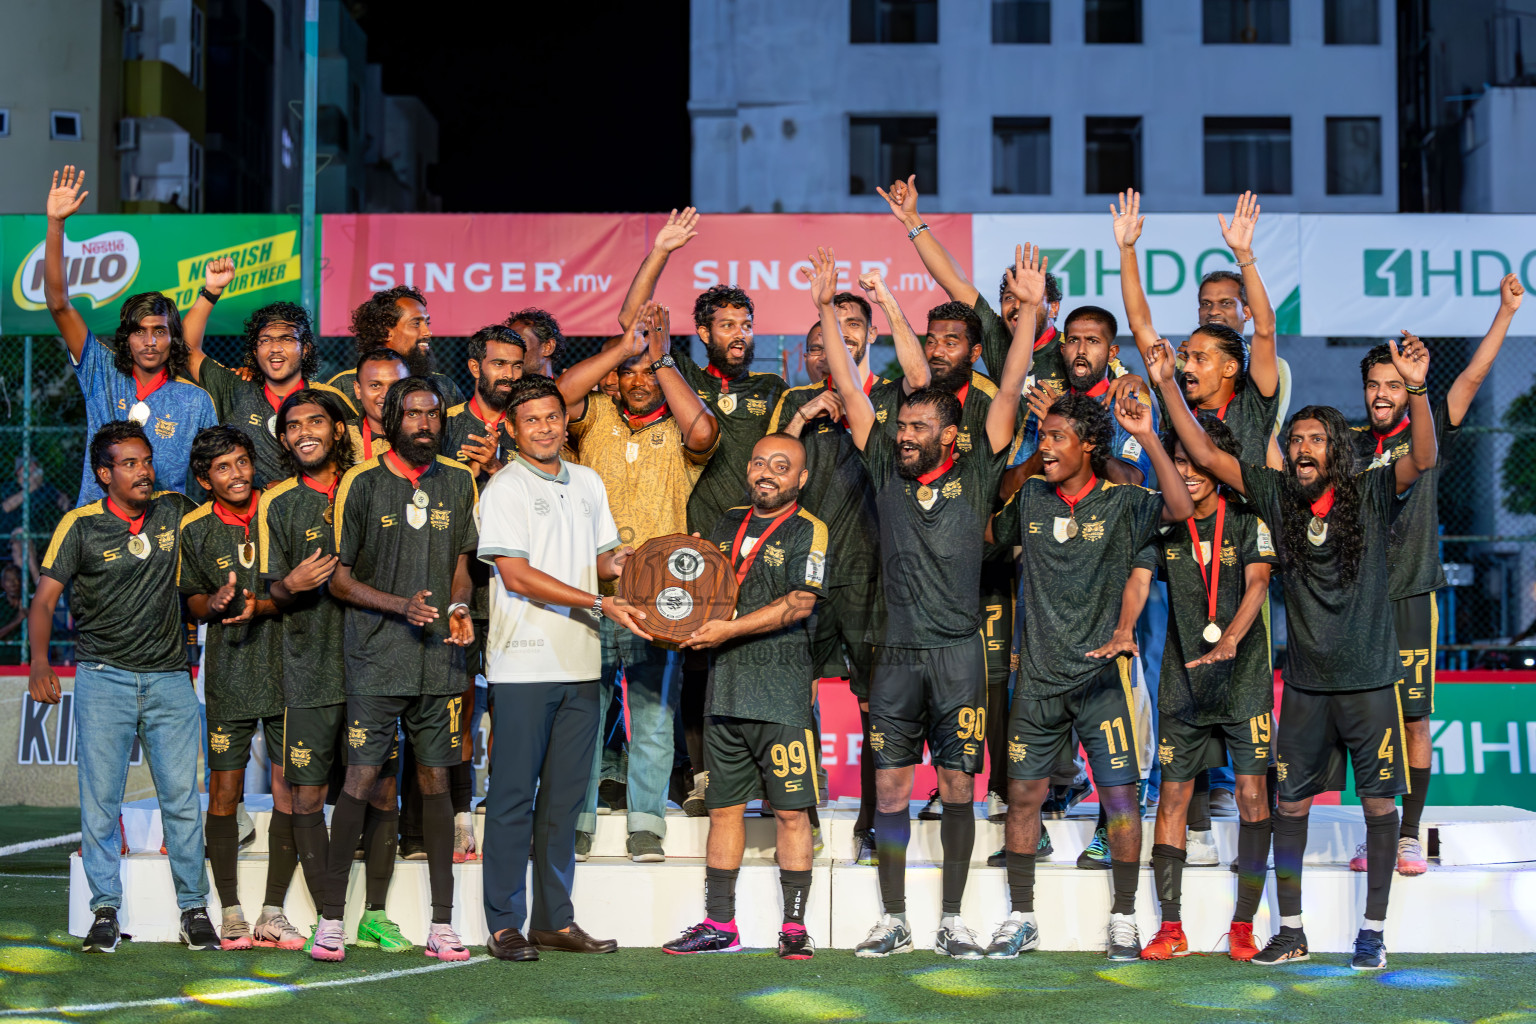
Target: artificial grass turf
x=41, y=969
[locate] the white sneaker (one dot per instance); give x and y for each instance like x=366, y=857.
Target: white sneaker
x=1199, y=849
x=694, y=806
x=997, y=808
x=246, y=826
x=933, y=810
x=1223, y=804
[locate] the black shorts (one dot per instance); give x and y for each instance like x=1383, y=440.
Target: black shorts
x=229, y=743
x=1184, y=750
x=841, y=647
x=433, y=723
x=750, y=760
x=1317, y=730
x=997, y=626
x=1418, y=625
x=1103, y=713
x=311, y=738
x=937, y=695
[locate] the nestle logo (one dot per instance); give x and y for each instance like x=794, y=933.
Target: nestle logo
x=97, y=247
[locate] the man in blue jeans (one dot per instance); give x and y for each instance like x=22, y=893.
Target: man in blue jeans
x=121, y=553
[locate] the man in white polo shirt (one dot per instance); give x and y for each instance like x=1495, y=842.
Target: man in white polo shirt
x=546, y=528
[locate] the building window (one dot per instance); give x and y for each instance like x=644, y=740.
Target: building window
x=1351, y=23
x=1354, y=156
x=65, y=125
x=894, y=21
x=197, y=46
x=1247, y=21
x=1021, y=156
x=1112, y=155
x=886, y=149
x=1021, y=21
x=1244, y=153
x=5, y=122
x=1111, y=21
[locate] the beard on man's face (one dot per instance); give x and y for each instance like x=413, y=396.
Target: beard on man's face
x=949, y=378
x=495, y=393
x=421, y=362
x=927, y=458
x=722, y=358
x=418, y=448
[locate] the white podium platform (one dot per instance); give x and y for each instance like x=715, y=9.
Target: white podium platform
x=1477, y=897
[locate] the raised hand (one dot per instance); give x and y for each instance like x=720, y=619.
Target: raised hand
x=65, y=197
x=902, y=199
x=823, y=277
x=873, y=282
x=1136, y=419
x=1128, y=220
x=678, y=231
x=218, y=273
x=1026, y=278
x=1127, y=384
x=1160, y=362
x=638, y=339
x=658, y=328
x=1239, y=234
x=417, y=611
x=1510, y=292
x=829, y=404
x=1411, y=359
x=310, y=573
x=1040, y=399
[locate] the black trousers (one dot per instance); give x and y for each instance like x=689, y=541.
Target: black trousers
x=540, y=760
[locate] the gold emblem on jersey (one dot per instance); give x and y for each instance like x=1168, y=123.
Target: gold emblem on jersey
x=166, y=539
x=727, y=403
x=165, y=429
x=876, y=740
x=1228, y=553
x=1017, y=751
x=1093, y=530
x=1165, y=753
x=880, y=414
x=300, y=756
x=773, y=555
x=138, y=546
x=356, y=735
x=951, y=489
x=757, y=406
x=963, y=441
x=442, y=518
x=1281, y=770
x=218, y=741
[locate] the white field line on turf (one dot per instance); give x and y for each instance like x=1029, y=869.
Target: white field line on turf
x=39, y=844
x=23, y=874
x=243, y=993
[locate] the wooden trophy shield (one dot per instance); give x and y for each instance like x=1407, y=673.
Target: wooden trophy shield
x=680, y=582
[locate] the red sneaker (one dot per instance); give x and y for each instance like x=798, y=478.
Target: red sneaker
x=1168, y=943
x=1240, y=941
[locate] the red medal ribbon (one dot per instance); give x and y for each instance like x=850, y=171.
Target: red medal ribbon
x=1380, y=438
x=928, y=478
x=965, y=389
x=1215, y=576
x=135, y=523
x=476, y=408
x=233, y=518
x=1046, y=337
x=1079, y=496
x=869, y=385
x=329, y=492
x=1322, y=506
x=762, y=539
x=1221, y=413
x=145, y=390
x=636, y=422
x=274, y=399
x=1097, y=391
x=725, y=382
x=405, y=469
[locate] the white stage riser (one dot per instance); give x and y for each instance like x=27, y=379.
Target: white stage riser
x=1332, y=835
x=1449, y=910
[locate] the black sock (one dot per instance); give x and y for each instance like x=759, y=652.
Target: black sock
x=1252, y=867
x=1413, y=802
x=222, y=836
x=1290, y=847
x=796, y=886
x=1125, y=875
x=892, y=834
x=1198, y=818
x=1021, y=881
x=1168, y=876
x=810, y=812
x=312, y=843
x=720, y=894
x=346, y=829
x=1380, y=862
x=282, y=858
x=380, y=831
x=461, y=786
x=866, y=818
x=957, y=838
x=437, y=836
x=1103, y=821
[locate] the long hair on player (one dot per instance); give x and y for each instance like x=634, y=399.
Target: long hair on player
x=135, y=308
x=286, y=313
x=342, y=454
x=1093, y=424
x=1231, y=345
x=394, y=405
x=1296, y=502
x=378, y=314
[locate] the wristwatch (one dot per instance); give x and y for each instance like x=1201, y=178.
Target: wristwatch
x=665, y=361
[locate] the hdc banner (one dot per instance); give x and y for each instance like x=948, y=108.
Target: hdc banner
x=109, y=257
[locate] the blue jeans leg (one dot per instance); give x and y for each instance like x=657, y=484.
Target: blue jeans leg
x=586, y=821
x=653, y=679
x=1152, y=636
x=106, y=709
x=168, y=717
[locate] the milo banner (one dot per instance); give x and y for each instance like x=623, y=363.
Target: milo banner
x=108, y=257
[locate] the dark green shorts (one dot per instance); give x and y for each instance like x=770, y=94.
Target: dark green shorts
x=997, y=581
x=311, y=740
x=1184, y=750
x=229, y=743
x=1319, y=730
x=934, y=695
x=433, y=723
x=1102, y=712
x=1418, y=622
x=751, y=760
x=841, y=647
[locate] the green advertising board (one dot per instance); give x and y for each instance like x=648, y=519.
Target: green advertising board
x=108, y=257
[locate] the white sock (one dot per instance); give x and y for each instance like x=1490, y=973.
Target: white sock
x=1291, y=922
x=1023, y=916
x=1123, y=917
x=1373, y=926
x=951, y=921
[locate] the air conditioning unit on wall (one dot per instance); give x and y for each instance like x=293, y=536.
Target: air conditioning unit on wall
x=127, y=134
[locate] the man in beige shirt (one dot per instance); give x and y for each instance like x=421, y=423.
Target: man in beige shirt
x=649, y=446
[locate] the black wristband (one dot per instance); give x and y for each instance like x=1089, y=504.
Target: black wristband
x=1422, y=389
x=213, y=300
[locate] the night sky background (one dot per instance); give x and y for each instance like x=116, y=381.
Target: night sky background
x=545, y=105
